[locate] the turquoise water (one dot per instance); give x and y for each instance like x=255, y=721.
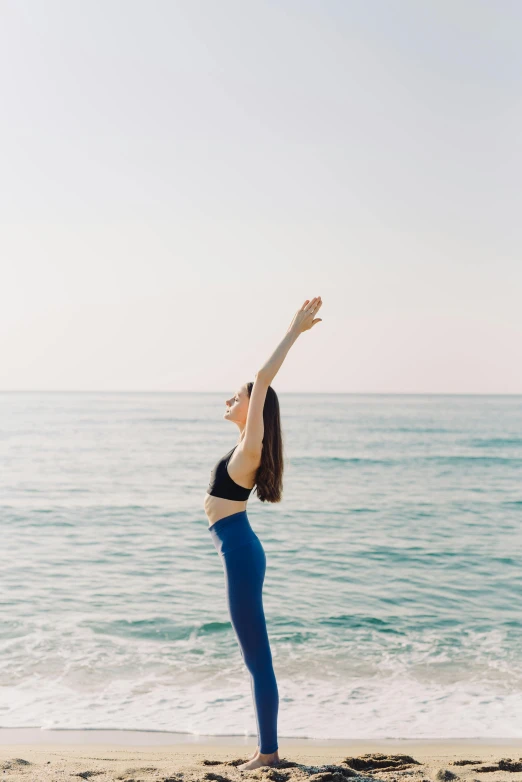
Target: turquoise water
x=393, y=587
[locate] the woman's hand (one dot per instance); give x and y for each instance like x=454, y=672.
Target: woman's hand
x=302, y=321
x=304, y=318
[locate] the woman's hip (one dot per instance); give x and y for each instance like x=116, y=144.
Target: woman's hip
x=234, y=532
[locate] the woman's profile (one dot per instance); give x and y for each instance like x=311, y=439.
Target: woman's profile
x=255, y=461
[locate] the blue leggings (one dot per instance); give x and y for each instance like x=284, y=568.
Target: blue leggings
x=244, y=563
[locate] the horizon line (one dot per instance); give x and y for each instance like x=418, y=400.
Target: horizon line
x=195, y=391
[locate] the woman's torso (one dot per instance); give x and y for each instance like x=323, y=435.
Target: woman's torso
x=242, y=471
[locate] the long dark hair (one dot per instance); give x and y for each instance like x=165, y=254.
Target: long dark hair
x=269, y=475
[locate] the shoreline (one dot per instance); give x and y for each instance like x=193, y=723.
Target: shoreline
x=125, y=737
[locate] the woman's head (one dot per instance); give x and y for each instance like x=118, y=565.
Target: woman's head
x=269, y=475
x=237, y=406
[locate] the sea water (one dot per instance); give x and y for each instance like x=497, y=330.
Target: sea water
x=393, y=590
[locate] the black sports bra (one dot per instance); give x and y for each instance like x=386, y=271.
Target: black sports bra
x=222, y=485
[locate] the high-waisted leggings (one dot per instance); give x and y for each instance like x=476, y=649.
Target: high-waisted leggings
x=244, y=563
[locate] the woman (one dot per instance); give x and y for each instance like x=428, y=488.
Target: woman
x=255, y=460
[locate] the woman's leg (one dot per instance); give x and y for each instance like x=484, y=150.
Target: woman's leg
x=245, y=569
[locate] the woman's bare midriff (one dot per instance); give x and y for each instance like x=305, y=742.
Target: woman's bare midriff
x=217, y=508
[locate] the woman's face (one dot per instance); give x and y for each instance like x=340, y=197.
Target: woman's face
x=237, y=406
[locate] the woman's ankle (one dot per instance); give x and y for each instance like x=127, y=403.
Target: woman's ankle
x=269, y=755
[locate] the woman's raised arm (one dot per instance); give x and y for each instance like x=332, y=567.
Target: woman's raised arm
x=303, y=320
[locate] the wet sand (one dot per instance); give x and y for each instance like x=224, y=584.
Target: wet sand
x=33, y=754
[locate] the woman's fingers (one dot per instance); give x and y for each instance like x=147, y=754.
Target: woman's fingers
x=301, y=320
x=315, y=301
x=308, y=305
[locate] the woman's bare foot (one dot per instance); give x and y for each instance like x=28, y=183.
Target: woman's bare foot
x=260, y=760
x=254, y=755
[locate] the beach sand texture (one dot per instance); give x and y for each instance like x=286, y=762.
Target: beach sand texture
x=51, y=761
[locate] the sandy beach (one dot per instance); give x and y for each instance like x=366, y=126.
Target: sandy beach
x=32, y=754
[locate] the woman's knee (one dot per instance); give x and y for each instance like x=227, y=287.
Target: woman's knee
x=259, y=661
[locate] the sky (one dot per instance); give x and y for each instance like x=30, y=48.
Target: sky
x=178, y=176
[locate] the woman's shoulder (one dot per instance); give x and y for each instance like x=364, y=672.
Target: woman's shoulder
x=244, y=461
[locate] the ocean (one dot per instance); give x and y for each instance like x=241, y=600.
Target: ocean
x=393, y=590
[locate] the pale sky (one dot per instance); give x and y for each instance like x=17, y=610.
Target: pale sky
x=178, y=176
